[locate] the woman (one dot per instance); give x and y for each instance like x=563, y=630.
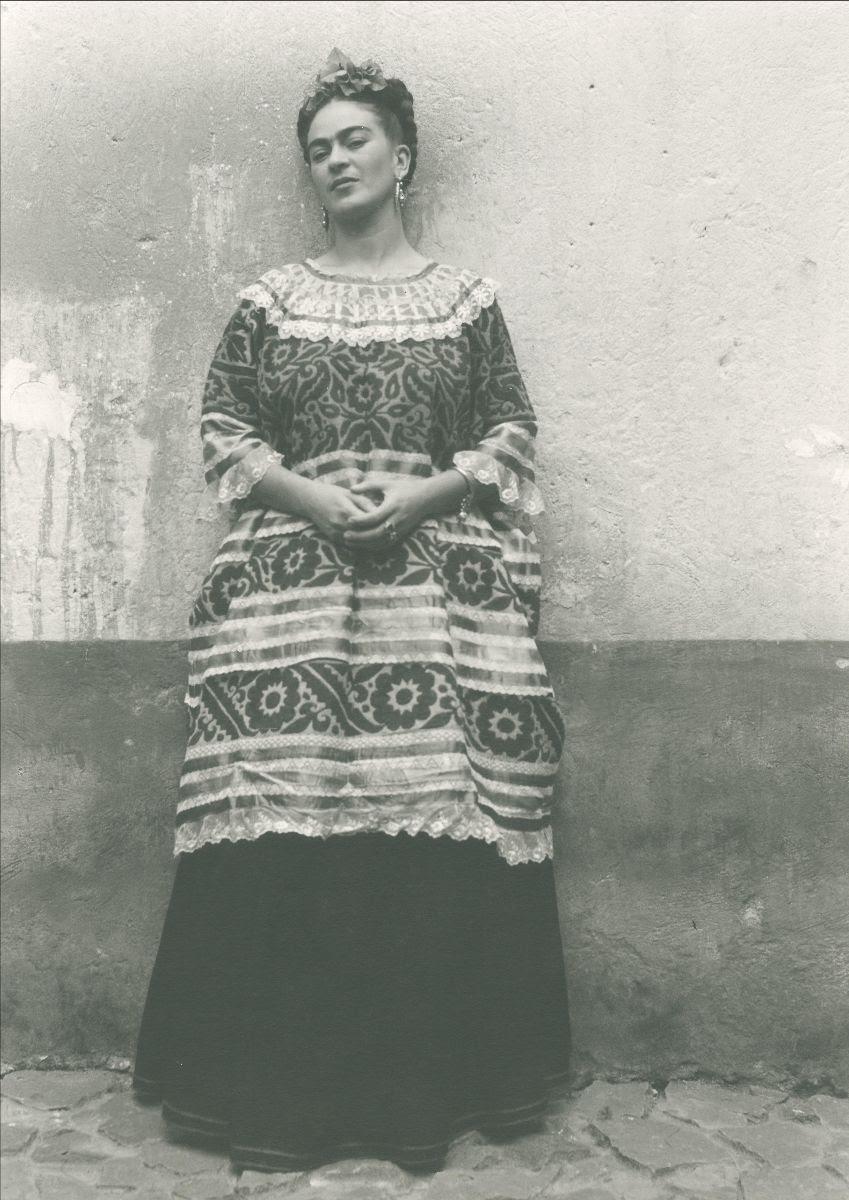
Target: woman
x=361, y=956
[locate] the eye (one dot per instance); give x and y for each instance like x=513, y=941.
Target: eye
x=356, y=142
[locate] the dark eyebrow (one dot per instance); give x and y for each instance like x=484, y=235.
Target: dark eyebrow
x=342, y=133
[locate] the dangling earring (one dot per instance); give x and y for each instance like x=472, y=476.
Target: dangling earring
x=400, y=193
x=325, y=218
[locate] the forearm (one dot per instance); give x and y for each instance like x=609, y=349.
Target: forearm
x=446, y=492
x=285, y=491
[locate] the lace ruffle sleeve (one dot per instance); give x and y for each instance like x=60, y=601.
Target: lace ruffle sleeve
x=236, y=452
x=499, y=465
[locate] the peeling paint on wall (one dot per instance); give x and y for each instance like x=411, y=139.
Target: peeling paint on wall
x=28, y=403
x=213, y=211
x=824, y=443
x=75, y=469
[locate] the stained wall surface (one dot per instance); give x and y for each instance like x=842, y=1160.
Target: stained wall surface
x=660, y=189
x=700, y=852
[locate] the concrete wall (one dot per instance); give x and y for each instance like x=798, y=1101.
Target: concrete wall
x=661, y=190
x=657, y=186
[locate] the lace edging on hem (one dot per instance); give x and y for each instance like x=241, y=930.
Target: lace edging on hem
x=515, y=846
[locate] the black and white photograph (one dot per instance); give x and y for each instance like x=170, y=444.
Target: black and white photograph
x=425, y=599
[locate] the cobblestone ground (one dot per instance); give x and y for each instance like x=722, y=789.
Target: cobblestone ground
x=80, y=1135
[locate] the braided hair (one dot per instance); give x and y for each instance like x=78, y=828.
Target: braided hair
x=391, y=103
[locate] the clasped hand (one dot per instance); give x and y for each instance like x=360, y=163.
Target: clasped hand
x=364, y=516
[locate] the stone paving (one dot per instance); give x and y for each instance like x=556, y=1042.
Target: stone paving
x=80, y=1135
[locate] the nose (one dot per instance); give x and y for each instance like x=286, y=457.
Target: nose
x=337, y=158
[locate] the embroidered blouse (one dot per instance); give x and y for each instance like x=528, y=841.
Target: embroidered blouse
x=332, y=690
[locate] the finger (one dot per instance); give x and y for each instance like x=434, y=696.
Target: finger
x=371, y=496
x=385, y=533
x=361, y=502
x=365, y=485
x=367, y=501
x=368, y=520
x=352, y=507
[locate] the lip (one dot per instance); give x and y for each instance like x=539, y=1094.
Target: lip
x=340, y=182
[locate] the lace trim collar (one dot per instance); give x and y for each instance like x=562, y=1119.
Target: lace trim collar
x=303, y=302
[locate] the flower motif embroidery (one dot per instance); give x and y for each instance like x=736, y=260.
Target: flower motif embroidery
x=368, y=425
x=365, y=393
x=404, y=696
x=505, y=724
x=224, y=584
x=469, y=573
x=296, y=562
x=453, y=356
x=383, y=566
x=270, y=704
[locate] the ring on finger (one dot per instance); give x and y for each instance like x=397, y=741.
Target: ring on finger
x=391, y=532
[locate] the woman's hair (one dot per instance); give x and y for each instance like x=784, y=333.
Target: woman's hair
x=390, y=100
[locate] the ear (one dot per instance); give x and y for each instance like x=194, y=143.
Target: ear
x=402, y=159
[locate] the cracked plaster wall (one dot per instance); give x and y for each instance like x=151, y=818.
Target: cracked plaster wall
x=660, y=188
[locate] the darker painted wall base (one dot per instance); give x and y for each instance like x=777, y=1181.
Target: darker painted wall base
x=701, y=843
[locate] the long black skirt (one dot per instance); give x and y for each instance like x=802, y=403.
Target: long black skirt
x=361, y=995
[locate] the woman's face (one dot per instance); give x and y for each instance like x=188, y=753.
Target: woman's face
x=353, y=162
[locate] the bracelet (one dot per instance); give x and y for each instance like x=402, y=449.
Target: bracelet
x=465, y=509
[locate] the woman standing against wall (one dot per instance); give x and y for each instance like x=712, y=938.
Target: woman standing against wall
x=361, y=955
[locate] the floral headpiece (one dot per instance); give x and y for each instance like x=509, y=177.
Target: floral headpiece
x=340, y=74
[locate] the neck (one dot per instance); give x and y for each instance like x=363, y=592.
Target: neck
x=371, y=242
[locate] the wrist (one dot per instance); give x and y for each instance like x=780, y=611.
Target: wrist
x=306, y=495
x=446, y=492
x=464, y=507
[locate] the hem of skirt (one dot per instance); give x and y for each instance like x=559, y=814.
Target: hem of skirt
x=515, y=846
x=213, y=1132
